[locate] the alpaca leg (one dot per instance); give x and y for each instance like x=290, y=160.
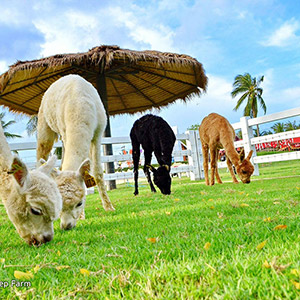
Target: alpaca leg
x=229, y=165
x=205, y=162
x=98, y=174
x=148, y=156
x=212, y=151
x=136, y=160
x=217, y=171
x=46, y=138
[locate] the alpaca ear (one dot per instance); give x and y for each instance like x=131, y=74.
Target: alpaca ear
x=42, y=161
x=242, y=155
x=249, y=155
x=47, y=166
x=167, y=167
x=84, y=170
x=152, y=169
x=55, y=172
x=20, y=172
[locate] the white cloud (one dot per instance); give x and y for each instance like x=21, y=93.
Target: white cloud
x=3, y=66
x=241, y=15
x=170, y=5
x=10, y=16
x=285, y=35
x=278, y=97
x=218, y=88
x=156, y=36
x=72, y=32
x=292, y=94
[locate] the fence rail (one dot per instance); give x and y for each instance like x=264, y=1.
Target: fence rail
x=193, y=150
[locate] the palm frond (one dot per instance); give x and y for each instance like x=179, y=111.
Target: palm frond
x=249, y=88
x=262, y=103
x=7, y=124
x=31, y=125
x=239, y=90
x=247, y=110
x=240, y=101
x=260, y=79
x=11, y=135
x=278, y=127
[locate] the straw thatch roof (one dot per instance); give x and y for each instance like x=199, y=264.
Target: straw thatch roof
x=131, y=81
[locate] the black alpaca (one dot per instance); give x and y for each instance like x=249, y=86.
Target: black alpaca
x=155, y=135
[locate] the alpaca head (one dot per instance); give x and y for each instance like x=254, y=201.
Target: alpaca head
x=34, y=202
x=162, y=178
x=245, y=168
x=71, y=185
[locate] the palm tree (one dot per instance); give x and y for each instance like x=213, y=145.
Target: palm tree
x=250, y=90
x=193, y=127
x=31, y=125
x=5, y=125
x=261, y=133
x=278, y=127
x=31, y=128
x=291, y=126
x=266, y=132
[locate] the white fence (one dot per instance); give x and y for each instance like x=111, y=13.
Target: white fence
x=193, y=152
x=249, y=141
x=194, y=168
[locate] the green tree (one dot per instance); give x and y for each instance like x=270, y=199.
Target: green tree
x=249, y=89
x=291, y=126
x=261, y=133
x=5, y=125
x=194, y=127
x=31, y=125
x=278, y=127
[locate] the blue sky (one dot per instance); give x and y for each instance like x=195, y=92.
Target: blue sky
x=229, y=37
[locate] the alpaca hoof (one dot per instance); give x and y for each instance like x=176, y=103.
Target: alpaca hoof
x=135, y=193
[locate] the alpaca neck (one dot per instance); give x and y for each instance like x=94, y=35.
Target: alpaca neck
x=5, y=163
x=71, y=164
x=5, y=186
x=231, y=153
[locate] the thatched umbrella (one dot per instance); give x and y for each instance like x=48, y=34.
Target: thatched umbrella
x=127, y=81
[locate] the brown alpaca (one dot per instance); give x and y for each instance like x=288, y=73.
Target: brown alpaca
x=217, y=133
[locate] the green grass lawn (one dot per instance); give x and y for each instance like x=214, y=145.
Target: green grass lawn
x=198, y=243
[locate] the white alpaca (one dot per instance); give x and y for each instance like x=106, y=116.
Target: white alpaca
x=31, y=198
x=72, y=108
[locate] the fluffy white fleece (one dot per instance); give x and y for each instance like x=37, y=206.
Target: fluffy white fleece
x=72, y=108
x=31, y=198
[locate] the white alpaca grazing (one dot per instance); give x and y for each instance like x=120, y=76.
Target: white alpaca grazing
x=72, y=108
x=31, y=198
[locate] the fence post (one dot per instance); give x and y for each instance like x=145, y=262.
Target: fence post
x=193, y=144
x=247, y=134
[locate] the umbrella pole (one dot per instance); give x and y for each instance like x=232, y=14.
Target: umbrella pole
x=107, y=149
